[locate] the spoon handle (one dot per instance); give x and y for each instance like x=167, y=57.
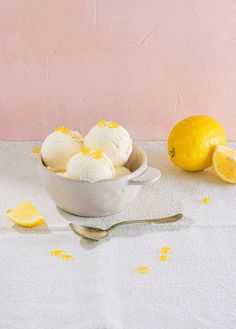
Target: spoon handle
x=169, y=219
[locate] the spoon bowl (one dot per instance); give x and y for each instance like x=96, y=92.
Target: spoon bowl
x=87, y=232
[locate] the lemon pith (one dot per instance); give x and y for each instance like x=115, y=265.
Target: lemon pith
x=192, y=141
x=25, y=214
x=224, y=161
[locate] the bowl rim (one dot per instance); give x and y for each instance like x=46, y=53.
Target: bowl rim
x=129, y=177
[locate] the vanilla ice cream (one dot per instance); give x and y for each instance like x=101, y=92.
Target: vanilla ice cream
x=90, y=166
x=122, y=171
x=113, y=139
x=59, y=147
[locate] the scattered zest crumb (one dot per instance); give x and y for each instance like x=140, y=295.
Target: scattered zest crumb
x=143, y=270
x=62, y=254
x=67, y=257
x=164, y=257
x=165, y=250
x=62, y=129
x=34, y=152
x=102, y=123
x=113, y=124
x=85, y=150
x=97, y=154
x=57, y=252
x=206, y=200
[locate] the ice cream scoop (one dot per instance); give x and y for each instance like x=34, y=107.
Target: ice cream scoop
x=59, y=147
x=90, y=165
x=122, y=171
x=113, y=139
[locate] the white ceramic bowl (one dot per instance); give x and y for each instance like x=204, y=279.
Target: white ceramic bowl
x=100, y=198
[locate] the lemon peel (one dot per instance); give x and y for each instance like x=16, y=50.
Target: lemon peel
x=85, y=150
x=113, y=124
x=143, y=270
x=102, y=123
x=36, y=150
x=97, y=154
x=62, y=129
x=110, y=124
x=57, y=252
x=67, y=257
x=165, y=250
x=206, y=200
x=164, y=257
x=62, y=254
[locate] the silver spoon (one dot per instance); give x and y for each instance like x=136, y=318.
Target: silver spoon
x=97, y=234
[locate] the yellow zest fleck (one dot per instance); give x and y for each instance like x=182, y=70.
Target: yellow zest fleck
x=85, y=150
x=57, y=252
x=97, y=154
x=36, y=150
x=164, y=257
x=66, y=257
x=206, y=200
x=102, y=123
x=165, y=250
x=143, y=270
x=62, y=129
x=75, y=136
x=62, y=254
x=113, y=124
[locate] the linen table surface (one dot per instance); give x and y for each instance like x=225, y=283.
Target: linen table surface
x=101, y=288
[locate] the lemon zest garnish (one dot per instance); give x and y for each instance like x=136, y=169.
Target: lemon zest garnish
x=85, y=150
x=102, y=123
x=36, y=150
x=61, y=254
x=75, y=136
x=62, y=129
x=57, y=252
x=97, y=154
x=66, y=257
x=143, y=270
x=165, y=250
x=113, y=124
x=164, y=257
x=206, y=200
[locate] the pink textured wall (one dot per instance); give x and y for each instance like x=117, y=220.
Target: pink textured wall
x=144, y=63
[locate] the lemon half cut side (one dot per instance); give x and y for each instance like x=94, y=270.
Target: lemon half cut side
x=224, y=162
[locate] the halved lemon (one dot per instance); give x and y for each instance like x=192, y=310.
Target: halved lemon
x=224, y=161
x=25, y=214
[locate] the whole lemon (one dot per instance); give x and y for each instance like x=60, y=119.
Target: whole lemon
x=192, y=142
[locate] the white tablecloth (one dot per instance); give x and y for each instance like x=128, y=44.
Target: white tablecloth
x=100, y=289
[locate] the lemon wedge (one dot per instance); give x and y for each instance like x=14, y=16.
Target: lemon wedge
x=224, y=161
x=25, y=214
